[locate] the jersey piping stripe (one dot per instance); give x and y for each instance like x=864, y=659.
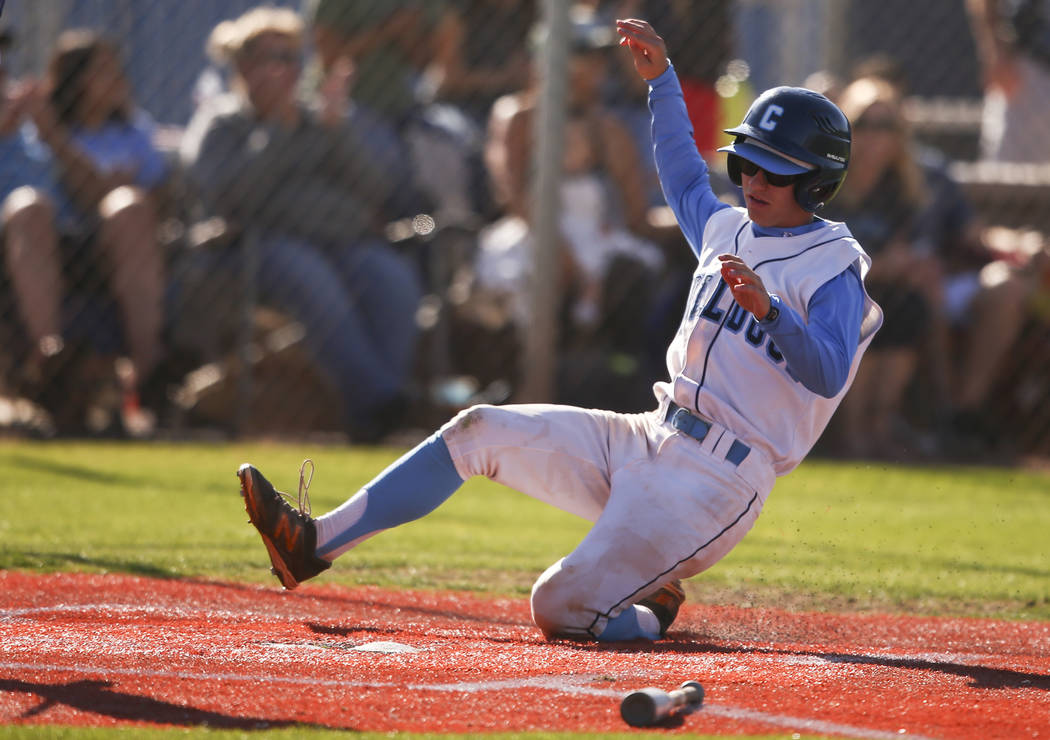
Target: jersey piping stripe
x=690, y=556
x=736, y=238
x=793, y=256
x=736, y=250
x=711, y=346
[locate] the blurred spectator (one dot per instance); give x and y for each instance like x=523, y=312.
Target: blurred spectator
x=97, y=234
x=824, y=82
x=312, y=192
x=327, y=87
x=881, y=202
x=981, y=302
x=383, y=48
x=608, y=261
x=1013, y=43
x=628, y=99
x=885, y=67
x=480, y=53
x=385, y=42
x=958, y=305
x=27, y=187
x=699, y=36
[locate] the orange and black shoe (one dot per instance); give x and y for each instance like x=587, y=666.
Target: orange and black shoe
x=290, y=534
x=665, y=604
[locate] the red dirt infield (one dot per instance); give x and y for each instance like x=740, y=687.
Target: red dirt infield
x=116, y=650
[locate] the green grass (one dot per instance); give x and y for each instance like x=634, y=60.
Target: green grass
x=833, y=535
x=956, y=540
x=174, y=511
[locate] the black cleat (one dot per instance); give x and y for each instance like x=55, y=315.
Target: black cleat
x=665, y=604
x=290, y=534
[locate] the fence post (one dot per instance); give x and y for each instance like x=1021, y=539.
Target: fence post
x=538, y=381
x=246, y=350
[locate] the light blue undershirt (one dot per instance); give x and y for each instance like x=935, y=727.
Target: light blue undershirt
x=818, y=353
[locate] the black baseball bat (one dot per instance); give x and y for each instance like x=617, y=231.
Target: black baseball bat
x=649, y=706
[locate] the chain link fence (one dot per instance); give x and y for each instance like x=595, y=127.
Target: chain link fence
x=321, y=216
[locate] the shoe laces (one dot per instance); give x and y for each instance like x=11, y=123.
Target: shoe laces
x=303, y=504
x=304, y=486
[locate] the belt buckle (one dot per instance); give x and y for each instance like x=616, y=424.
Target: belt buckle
x=689, y=424
x=680, y=418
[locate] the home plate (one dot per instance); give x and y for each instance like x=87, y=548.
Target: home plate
x=386, y=647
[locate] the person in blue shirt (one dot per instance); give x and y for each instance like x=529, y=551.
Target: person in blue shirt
x=772, y=334
x=27, y=190
x=107, y=176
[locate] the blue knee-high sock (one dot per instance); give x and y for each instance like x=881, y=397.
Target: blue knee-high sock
x=415, y=485
x=633, y=623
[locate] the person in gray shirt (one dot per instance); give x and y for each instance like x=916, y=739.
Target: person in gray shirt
x=309, y=188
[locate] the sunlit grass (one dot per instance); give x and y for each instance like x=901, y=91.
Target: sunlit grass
x=833, y=535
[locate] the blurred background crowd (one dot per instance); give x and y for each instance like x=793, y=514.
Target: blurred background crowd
x=316, y=216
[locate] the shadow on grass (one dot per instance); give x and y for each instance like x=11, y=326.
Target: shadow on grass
x=59, y=561
x=128, y=565
x=79, y=472
x=99, y=697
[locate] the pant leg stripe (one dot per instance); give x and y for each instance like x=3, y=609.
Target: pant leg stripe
x=629, y=597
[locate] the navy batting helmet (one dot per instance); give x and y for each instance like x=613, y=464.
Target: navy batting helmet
x=794, y=131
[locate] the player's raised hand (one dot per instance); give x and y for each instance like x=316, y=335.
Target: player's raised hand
x=646, y=46
x=747, y=287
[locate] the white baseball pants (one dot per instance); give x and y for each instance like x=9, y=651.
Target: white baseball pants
x=664, y=505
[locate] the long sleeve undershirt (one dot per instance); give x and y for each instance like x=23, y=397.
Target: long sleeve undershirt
x=818, y=353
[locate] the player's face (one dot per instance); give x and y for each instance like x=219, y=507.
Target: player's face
x=772, y=206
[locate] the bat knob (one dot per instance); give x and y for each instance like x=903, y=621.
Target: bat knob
x=650, y=706
x=644, y=707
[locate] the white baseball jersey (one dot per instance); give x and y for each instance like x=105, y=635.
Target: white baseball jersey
x=665, y=504
x=711, y=360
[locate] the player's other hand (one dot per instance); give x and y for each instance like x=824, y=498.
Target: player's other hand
x=748, y=289
x=646, y=46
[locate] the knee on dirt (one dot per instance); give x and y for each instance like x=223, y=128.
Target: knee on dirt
x=555, y=602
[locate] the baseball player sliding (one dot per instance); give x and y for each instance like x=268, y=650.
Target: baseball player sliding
x=771, y=337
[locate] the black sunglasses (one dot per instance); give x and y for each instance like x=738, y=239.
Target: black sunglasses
x=751, y=169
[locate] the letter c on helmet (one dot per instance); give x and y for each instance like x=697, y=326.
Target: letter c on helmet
x=770, y=117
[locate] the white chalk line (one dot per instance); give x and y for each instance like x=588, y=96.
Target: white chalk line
x=809, y=725
x=176, y=612
x=975, y=660
x=573, y=685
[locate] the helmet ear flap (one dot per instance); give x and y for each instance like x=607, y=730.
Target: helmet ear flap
x=814, y=190
x=806, y=192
